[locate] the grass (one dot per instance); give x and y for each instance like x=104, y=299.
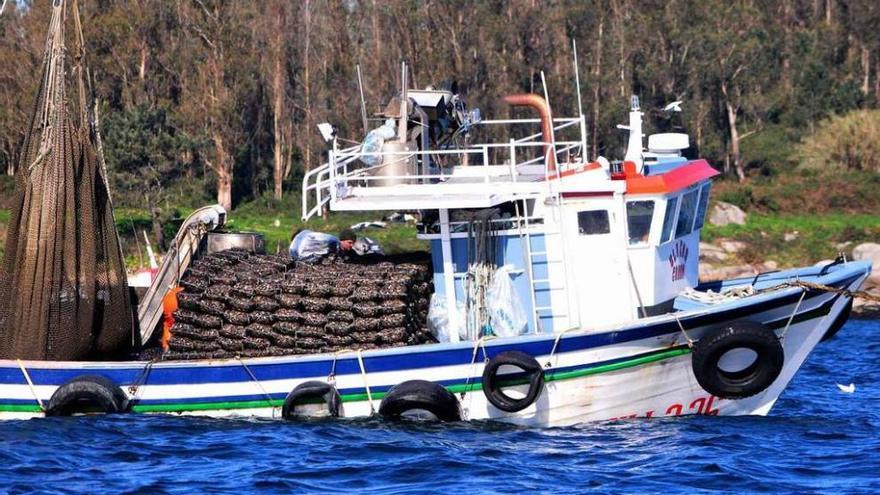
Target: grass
x=816, y=237
x=276, y=220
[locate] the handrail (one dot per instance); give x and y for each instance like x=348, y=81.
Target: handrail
x=332, y=178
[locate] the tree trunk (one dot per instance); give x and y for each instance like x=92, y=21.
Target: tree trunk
x=223, y=169
x=307, y=24
x=277, y=103
x=734, y=142
x=866, y=68
x=597, y=71
x=156, y=223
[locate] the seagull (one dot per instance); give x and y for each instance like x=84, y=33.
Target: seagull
x=847, y=389
x=675, y=106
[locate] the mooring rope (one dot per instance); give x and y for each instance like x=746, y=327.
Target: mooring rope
x=27, y=378
x=366, y=383
x=690, y=341
x=259, y=385
x=793, y=313
x=134, y=388
x=855, y=294
x=556, y=346
x=481, y=342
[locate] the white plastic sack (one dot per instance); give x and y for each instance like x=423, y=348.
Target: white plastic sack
x=374, y=141
x=506, y=314
x=438, y=319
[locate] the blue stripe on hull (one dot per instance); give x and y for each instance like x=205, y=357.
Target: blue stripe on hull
x=394, y=360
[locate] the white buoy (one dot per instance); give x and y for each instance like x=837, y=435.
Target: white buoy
x=847, y=389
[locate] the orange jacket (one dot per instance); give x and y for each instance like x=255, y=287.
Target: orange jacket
x=169, y=306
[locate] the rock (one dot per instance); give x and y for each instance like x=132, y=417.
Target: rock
x=733, y=246
x=726, y=213
x=791, y=236
x=707, y=272
x=867, y=251
x=769, y=266
x=711, y=253
x=840, y=246
x=862, y=308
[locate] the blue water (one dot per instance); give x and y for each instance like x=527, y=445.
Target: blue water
x=817, y=440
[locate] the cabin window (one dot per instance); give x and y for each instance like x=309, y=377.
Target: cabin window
x=701, y=208
x=593, y=222
x=668, y=219
x=638, y=220
x=686, y=213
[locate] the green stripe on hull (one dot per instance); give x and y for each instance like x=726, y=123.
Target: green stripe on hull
x=550, y=376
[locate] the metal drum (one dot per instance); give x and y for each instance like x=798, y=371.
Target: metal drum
x=395, y=166
x=221, y=241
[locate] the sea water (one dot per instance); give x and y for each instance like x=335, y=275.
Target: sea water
x=816, y=440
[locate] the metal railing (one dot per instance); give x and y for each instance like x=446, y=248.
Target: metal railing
x=345, y=171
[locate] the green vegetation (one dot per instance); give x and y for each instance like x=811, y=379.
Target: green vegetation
x=849, y=142
x=277, y=220
x=811, y=237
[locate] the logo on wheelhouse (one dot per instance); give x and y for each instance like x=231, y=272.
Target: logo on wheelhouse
x=678, y=260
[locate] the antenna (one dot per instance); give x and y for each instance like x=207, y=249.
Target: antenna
x=577, y=75
x=363, y=104
x=403, y=104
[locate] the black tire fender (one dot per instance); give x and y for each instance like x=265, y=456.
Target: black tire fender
x=492, y=385
x=839, y=321
x=311, y=390
x=751, y=380
x=87, y=394
x=420, y=395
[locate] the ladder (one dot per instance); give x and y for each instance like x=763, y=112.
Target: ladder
x=531, y=257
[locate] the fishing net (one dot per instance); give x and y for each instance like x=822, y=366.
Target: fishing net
x=63, y=289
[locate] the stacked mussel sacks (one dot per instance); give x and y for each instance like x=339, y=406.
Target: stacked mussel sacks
x=235, y=303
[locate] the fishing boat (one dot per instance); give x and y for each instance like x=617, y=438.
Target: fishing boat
x=602, y=258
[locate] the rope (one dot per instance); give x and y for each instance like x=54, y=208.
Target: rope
x=141, y=379
x=791, y=318
x=855, y=294
x=556, y=346
x=259, y=385
x=690, y=341
x=30, y=384
x=481, y=342
x=366, y=383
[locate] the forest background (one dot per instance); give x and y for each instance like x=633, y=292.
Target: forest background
x=217, y=101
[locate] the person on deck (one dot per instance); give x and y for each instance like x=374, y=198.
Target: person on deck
x=308, y=245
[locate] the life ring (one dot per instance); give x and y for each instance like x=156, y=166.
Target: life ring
x=492, y=386
x=87, y=394
x=748, y=381
x=839, y=321
x=420, y=395
x=311, y=391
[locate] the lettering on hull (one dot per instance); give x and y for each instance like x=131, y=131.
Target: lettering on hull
x=704, y=406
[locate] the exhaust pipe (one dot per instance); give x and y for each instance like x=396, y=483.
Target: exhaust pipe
x=540, y=105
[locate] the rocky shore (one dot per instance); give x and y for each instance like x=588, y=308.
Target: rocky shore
x=719, y=261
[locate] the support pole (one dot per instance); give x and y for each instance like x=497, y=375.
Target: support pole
x=363, y=102
x=454, y=318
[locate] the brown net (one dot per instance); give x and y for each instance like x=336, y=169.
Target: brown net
x=63, y=289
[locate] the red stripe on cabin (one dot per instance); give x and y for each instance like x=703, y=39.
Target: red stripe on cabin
x=680, y=178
